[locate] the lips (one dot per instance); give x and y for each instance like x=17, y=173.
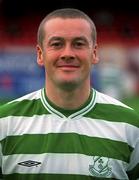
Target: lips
x=68, y=66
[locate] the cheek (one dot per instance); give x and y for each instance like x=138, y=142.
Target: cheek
x=51, y=55
x=87, y=59
x=49, y=62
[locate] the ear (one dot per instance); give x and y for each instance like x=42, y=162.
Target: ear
x=40, y=61
x=95, y=58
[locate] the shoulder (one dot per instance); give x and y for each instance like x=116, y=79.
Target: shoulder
x=114, y=110
x=106, y=99
x=31, y=96
x=15, y=106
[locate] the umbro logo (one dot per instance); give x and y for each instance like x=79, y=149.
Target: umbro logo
x=29, y=163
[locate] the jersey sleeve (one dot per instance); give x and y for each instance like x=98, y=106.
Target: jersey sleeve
x=1, y=176
x=133, y=170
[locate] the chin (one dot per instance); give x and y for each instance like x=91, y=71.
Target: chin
x=69, y=85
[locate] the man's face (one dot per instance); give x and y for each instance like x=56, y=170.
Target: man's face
x=68, y=52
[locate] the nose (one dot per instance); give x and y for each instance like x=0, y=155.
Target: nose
x=67, y=53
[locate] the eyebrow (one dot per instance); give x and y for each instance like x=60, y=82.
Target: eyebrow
x=57, y=38
x=81, y=38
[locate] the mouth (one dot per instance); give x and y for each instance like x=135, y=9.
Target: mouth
x=68, y=67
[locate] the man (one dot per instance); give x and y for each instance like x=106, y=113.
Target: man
x=67, y=130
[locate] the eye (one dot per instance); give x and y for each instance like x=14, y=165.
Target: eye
x=79, y=44
x=56, y=44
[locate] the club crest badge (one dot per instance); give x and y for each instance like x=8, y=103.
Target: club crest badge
x=100, y=167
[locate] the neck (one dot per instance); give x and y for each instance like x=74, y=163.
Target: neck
x=68, y=99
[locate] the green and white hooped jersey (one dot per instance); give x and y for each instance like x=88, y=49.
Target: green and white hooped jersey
x=39, y=141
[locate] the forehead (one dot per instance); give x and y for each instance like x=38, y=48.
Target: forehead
x=68, y=27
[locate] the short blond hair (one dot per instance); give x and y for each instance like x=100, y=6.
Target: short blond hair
x=65, y=13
